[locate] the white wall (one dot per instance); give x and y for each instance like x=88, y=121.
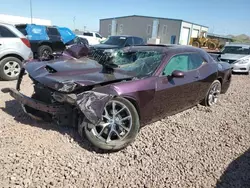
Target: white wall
x=22, y=20
x=184, y=36
x=193, y=31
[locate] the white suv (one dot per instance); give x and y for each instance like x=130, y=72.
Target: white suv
x=14, y=49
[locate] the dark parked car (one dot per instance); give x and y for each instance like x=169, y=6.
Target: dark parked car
x=46, y=40
x=114, y=43
x=109, y=101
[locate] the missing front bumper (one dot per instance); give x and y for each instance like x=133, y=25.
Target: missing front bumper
x=35, y=104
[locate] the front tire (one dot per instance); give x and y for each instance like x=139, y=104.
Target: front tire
x=196, y=44
x=10, y=68
x=213, y=93
x=118, y=128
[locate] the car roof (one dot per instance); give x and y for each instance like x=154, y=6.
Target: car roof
x=124, y=36
x=165, y=48
x=5, y=24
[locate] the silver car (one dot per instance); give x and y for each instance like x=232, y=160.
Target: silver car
x=14, y=48
x=238, y=55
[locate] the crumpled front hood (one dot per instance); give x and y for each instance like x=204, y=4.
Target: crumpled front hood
x=65, y=75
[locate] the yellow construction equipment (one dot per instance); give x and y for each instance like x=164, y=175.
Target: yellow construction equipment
x=204, y=42
x=201, y=42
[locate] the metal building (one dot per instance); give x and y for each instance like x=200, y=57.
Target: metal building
x=222, y=39
x=152, y=29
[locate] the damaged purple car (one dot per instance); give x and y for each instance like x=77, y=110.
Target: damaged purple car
x=109, y=99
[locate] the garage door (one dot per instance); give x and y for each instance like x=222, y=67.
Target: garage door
x=195, y=33
x=184, y=36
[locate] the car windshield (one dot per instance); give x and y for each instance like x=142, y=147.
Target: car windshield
x=142, y=63
x=236, y=50
x=115, y=40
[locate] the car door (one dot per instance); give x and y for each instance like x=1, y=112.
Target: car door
x=98, y=38
x=90, y=37
x=176, y=94
x=8, y=40
x=1, y=42
x=138, y=41
x=55, y=38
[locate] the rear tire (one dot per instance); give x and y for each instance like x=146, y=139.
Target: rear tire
x=10, y=68
x=44, y=51
x=214, y=91
x=127, y=132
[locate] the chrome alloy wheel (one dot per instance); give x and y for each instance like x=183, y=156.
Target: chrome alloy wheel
x=12, y=69
x=116, y=122
x=214, y=93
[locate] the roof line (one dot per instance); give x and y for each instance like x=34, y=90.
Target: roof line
x=153, y=18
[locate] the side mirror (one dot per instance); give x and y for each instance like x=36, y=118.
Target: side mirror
x=177, y=74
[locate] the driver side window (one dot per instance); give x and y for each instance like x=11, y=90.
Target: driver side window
x=178, y=62
x=184, y=62
x=129, y=41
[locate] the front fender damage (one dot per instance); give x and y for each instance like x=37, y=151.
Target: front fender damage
x=92, y=104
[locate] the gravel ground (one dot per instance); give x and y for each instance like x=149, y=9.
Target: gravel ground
x=201, y=147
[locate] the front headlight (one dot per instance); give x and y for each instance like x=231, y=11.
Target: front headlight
x=243, y=60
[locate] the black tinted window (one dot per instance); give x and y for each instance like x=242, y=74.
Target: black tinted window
x=53, y=31
x=98, y=36
x=88, y=34
x=22, y=29
x=6, y=33
x=138, y=41
x=129, y=41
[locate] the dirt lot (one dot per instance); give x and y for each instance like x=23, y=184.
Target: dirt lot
x=195, y=148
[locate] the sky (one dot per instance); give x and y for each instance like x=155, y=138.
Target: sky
x=221, y=16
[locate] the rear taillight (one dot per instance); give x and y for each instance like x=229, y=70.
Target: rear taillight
x=26, y=42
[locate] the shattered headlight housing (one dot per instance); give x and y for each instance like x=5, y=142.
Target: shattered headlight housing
x=243, y=60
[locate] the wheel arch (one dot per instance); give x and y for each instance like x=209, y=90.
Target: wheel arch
x=12, y=55
x=45, y=43
x=134, y=103
x=221, y=80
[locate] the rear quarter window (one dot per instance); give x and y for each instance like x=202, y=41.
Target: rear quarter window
x=22, y=29
x=53, y=31
x=6, y=33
